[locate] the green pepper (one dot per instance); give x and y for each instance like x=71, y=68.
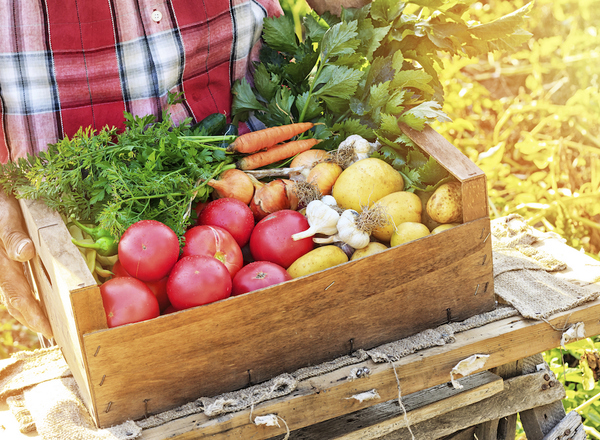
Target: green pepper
x=104, y=243
x=94, y=232
x=105, y=246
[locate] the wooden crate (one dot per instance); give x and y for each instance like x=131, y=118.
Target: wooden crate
x=148, y=367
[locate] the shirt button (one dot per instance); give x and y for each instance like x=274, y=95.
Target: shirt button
x=156, y=16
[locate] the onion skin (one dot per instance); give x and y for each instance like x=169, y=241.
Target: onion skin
x=233, y=183
x=307, y=160
x=324, y=176
x=274, y=196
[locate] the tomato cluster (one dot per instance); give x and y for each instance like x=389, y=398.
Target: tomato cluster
x=225, y=254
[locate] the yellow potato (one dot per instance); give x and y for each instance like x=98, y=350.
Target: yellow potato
x=372, y=248
x=445, y=205
x=408, y=231
x=318, y=259
x=365, y=182
x=400, y=207
x=441, y=228
x=425, y=219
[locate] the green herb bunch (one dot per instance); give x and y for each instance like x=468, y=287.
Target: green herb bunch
x=114, y=179
x=366, y=71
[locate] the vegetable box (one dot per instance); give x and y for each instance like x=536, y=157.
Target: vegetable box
x=139, y=369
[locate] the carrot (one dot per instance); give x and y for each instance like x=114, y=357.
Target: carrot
x=267, y=137
x=275, y=154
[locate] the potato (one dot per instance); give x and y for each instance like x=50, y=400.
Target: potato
x=408, y=231
x=400, y=207
x=372, y=248
x=365, y=182
x=445, y=205
x=442, y=228
x=425, y=219
x=318, y=259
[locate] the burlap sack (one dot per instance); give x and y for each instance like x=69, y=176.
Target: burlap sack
x=523, y=274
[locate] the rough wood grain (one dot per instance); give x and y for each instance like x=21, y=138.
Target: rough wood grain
x=323, y=398
x=465, y=434
x=253, y=337
x=520, y=393
x=537, y=422
x=565, y=428
x=61, y=275
x=423, y=405
x=474, y=188
x=446, y=154
x=501, y=429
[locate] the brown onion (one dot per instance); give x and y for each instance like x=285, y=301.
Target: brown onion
x=306, y=161
x=274, y=196
x=324, y=176
x=233, y=183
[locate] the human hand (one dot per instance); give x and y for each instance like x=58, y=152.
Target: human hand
x=15, y=248
x=335, y=6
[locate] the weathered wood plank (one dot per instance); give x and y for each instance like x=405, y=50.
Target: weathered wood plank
x=64, y=277
x=465, y=434
x=520, y=393
x=565, y=428
x=446, y=154
x=500, y=429
x=322, y=398
x=423, y=405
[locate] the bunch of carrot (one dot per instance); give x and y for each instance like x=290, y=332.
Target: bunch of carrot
x=264, y=146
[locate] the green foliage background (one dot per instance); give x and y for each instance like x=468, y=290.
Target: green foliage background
x=530, y=120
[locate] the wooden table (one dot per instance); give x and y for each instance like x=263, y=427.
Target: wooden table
x=324, y=408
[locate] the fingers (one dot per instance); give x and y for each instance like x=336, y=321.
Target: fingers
x=17, y=243
x=16, y=295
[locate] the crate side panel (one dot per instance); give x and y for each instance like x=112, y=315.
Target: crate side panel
x=248, y=339
x=64, y=334
x=474, y=199
x=446, y=154
x=60, y=274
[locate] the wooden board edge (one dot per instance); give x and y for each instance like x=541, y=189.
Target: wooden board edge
x=446, y=154
x=423, y=369
x=475, y=199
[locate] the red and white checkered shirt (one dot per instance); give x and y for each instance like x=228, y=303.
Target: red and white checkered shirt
x=65, y=64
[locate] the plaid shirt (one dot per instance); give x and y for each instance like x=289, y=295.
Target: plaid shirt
x=65, y=64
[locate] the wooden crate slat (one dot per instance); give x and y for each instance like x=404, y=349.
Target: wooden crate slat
x=324, y=397
x=256, y=336
x=446, y=154
x=60, y=274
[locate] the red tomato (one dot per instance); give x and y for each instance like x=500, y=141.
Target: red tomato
x=230, y=214
x=215, y=242
x=258, y=275
x=148, y=250
x=118, y=270
x=168, y=310
x=127, y=300
x=197, y=280
x=271, y=239
x=159, y=289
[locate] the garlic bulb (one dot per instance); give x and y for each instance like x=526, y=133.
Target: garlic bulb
x=348, y=231
x=322, y=219
x=362, y=148
x=329, y=200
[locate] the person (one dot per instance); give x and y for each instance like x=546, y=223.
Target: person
x=66, y=64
